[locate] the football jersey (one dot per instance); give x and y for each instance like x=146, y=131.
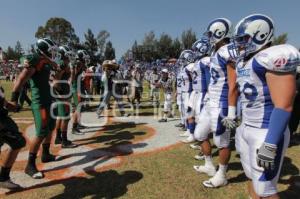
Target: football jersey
x=218, y=86
x=179, y=80
x=256, y=101
x=199, y=75
x=39, y=81
x=167, y=84
x=186, y=78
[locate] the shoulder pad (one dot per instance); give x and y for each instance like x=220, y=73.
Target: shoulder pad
x=190, y=67
x=29, y=60
x=280, y=58
x=205, y=61
x=224, y=53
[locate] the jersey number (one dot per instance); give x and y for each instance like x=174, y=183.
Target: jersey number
x=250, y=93
x=214, y=75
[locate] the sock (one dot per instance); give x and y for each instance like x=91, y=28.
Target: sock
x=165, y=115
x=4, y=174
x=208, y=161
x=222, y=169
x=58, y=133
x=46, y=148
x=192, y=127
x=64, y=136
x=31, y=159
x=75, y=125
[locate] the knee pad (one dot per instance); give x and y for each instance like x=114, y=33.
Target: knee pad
x=221, y=141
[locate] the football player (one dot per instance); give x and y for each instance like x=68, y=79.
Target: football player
x=82, y=60
x=37, y=69
x=154, y=90
x=266, y=82
x=217, y=106
x=200, y=78
x=10, y=135
x=166, y=83
x=186, y=60
x=62, y=89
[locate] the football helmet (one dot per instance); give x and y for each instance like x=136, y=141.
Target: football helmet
x=252, y=33
x=186, y=57
x=83, y=56
x=48, y=48
x=201, y=48
x=218, y=30
x=66, y=52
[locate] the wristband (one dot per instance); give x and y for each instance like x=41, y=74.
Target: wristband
x=231, y=112
x=277, y=125
x=14, y=96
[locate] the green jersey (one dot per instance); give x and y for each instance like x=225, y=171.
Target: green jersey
x=39, y=82
x=64, y=87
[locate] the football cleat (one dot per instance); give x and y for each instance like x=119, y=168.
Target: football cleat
x=209, y=170
x=189, y=139
x=216, y=181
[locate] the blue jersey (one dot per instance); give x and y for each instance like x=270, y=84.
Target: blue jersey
x=218, y=87
x=201, y=75
x=256, y=101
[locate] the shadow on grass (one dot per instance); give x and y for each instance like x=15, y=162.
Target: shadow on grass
x=288, y=168
x=107, y=184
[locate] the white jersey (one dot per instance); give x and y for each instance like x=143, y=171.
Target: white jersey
x=199, y=75
x=186, y=79
x=256, y=101
x=179, y=80
x=218, y=86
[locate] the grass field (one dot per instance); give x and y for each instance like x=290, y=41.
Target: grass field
x=165, y=174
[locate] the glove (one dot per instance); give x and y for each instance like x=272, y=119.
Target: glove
x=266, y=156
x=229, y=121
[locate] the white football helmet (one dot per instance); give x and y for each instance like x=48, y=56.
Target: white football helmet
x=218, y=29
x=186, y=57
x=201, y=47
x=252, y=33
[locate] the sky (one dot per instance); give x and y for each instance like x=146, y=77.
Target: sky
x=129, y=20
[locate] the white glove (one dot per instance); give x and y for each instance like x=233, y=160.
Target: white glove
x=229, y=121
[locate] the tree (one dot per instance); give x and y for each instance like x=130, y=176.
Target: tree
x=280, y=39
x=91, y=45
x=188, y=37
x=109, y=52
x=59, y=30
x=10, y=54
x=165, y=46
x=101, y=41
x=149, y=47
x=176, y=48
x=18, y=49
